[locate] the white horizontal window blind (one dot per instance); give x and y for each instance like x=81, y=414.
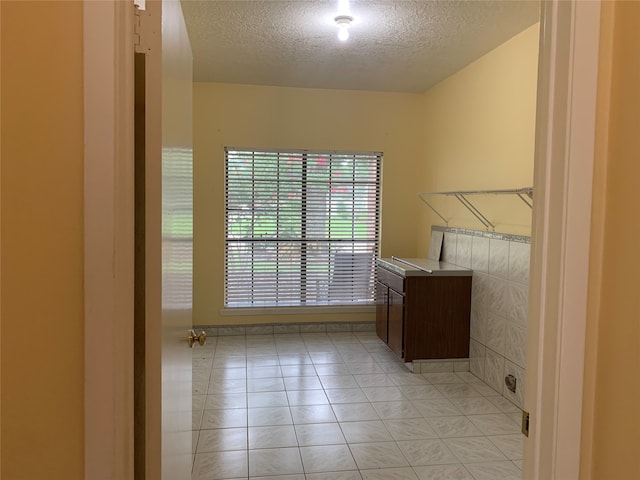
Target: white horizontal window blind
x=302, y=227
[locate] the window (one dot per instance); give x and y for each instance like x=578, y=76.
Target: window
x=302, y=227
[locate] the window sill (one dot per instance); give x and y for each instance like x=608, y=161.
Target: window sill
x=248, y=311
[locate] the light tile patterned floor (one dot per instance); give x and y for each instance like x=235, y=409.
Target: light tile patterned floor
x=341, y=406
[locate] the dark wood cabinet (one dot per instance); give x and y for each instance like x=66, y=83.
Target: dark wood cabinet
x=396, y=322
x=382, y=311
x=424, y=316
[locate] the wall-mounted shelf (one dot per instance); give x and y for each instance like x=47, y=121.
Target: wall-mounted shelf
x=524, y=194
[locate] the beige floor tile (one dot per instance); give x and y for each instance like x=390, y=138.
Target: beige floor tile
x=273, y=436
x=333, y=405
x=458, y=426
x=220, y=465
x=378, y=455
x=474, y=449
x=260, y=417
x=400, y=473
x=410, y=429
x=443, y=472
x=274, y=461
x=307, y=397
x=267, y=399
x=353, y=412
x=350, y=475
x=427, y=452
x=312, y=414
x=365, y=432
x=494, y=471
x=398, y=409
x=222, y=439
x=327, y=458
x=224, y=418
x=319, y=434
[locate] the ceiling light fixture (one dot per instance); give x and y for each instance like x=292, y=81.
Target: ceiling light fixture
x=343, y=23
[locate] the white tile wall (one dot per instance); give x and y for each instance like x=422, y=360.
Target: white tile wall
x=495, y=336
x=449, y=247
x=519, y=373
x=519, y=254
x=494, y=370
x=499, y=304
x=479, y=324
x=463, y=251
x=515, y=344
x=499, y=258
x=477, y=352
x=496, y=296
x=480, y=254
x=518, y=303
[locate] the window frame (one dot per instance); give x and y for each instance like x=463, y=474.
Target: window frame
x=372, y=163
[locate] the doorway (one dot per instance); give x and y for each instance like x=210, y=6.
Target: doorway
x=549, y=251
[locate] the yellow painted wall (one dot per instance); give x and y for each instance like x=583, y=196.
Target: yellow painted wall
x=474, y=130
x=478, y=132
x=611, y=421
x=42, y=240
x=278, y=117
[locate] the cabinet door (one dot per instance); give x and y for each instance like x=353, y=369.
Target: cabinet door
x=381, y=311
x=396, y=322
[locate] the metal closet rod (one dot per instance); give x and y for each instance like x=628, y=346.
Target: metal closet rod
x=525, y=194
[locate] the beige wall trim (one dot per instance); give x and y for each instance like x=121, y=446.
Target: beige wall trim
x=108, y=223
x=597, y=236
x=565, y=133
x=0, y=237
x=154, y=455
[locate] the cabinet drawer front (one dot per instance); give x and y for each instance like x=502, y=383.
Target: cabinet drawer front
x=391, y=279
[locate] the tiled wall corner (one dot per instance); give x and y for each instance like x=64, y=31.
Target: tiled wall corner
x=499, y=303
x=463, y=251
x=461, y=366
x=449, y=247
x=477, y=352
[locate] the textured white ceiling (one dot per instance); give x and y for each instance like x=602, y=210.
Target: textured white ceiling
x=395, y=45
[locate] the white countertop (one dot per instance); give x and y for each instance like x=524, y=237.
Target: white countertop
x=409, y=267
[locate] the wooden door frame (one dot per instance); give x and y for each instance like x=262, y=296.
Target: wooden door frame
x=0, y=240
x=109, y=239
x=563, y=177
x=566, y=109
